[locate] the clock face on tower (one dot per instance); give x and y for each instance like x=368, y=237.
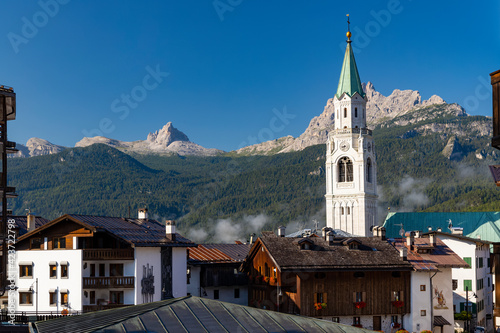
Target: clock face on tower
x=344, y=146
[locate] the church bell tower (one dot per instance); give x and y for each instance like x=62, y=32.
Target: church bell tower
x=351, y=169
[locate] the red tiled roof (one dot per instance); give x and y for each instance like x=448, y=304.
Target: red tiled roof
x=438, y=256
x=219, y=252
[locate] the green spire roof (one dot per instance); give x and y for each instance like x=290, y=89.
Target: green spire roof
x=349, y=82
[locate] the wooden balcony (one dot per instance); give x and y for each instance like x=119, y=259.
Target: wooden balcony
x=108, y=254
x=92, y=308
x=108, y=282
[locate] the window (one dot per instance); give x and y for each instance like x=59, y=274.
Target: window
x=267, y=271
x=454, y=284
x=320, y=298
x=342, y=210
x=115, y=269
x=345, y=112
x=480, y=284
x=358, y=296
x=467, y=285
x=480, y=262
x=116, y=297
x=64, y=270
x=64, y=297
x=396, y=295
x=237, y=293
x=53, y=271
x=102, y=270
x=488, y=282
x=36, y=243
x=345, y=170
x=216, y=294
x=422, y=287
x=92, y=297
x=369, y=170
x=26, y=298
x=92, y=270
x=26, y=271
x=356, y=321
x=336, y=319
x=423, y=313
x=52, y=298
x=59, y=243
x=356, y=112
x=468, y=260
x=348, y=210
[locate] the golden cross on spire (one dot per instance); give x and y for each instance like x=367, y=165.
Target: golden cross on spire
x=348, y=34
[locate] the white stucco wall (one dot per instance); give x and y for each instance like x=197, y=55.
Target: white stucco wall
x=420, y=300
x=226, y=294
x=145, y=256
x=193, y=288
x=179, y=271
x=41, y=260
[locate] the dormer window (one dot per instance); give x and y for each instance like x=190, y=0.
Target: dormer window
x=305, y=244
x=353, y=246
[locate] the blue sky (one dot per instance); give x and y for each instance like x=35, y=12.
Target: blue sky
x=230, y=72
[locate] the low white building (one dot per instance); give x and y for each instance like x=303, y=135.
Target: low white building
x=475, y=281
x=80, y=263
x=431, y=282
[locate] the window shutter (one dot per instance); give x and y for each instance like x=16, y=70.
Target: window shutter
x=324, y=298
x=474, y=308
x=363, y=296
x=401, y=295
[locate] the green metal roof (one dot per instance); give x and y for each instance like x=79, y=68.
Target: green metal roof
x=483, y=224
x=349, y=82
x=189, y=314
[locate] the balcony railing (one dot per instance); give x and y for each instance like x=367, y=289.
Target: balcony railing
x=108, y=254
x=108, y=282
x=92, y=308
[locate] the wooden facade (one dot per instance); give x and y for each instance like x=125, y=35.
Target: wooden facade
x=354, y=293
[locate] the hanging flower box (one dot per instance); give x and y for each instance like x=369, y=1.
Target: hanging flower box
x=398, y=304
x=395, y=325
x=319, y=306
x=272, y=280
x=358, y=325
x=359, y=305
x=267, y=279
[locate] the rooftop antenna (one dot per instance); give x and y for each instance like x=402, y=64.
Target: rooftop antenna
x=401, y=231
x=316, y=223
x=450, y=224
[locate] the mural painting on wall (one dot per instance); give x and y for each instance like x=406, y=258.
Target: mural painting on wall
x=441, y=300
x=147, y=284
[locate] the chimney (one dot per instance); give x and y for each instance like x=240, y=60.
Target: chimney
x=439, y=229
x=375, y=231
x=432, y=239
x=281, y=231
x=410, y=237
x=417, y=233
x=429, y=228
x=30, y=222
x=170, y=229
x=329, y=237
x=403, y=253
x=252, y=239
x=143, y=213
x=381, y=233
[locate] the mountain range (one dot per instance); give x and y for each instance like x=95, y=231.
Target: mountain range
x=400, y=107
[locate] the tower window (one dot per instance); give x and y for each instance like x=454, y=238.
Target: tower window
x=345, y=112
x=348, y=210
x=369, y=170
x=342, y=210
x=345, y=170
x=356, y=112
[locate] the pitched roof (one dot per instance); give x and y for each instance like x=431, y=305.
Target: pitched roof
x=211, y=253
x=483, y=224
x=349, y=81
x=438, y=256
x=139, y=232
x=189, y=314
x=372, y=254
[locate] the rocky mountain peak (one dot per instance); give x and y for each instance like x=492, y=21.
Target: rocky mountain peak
x=165, y=136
